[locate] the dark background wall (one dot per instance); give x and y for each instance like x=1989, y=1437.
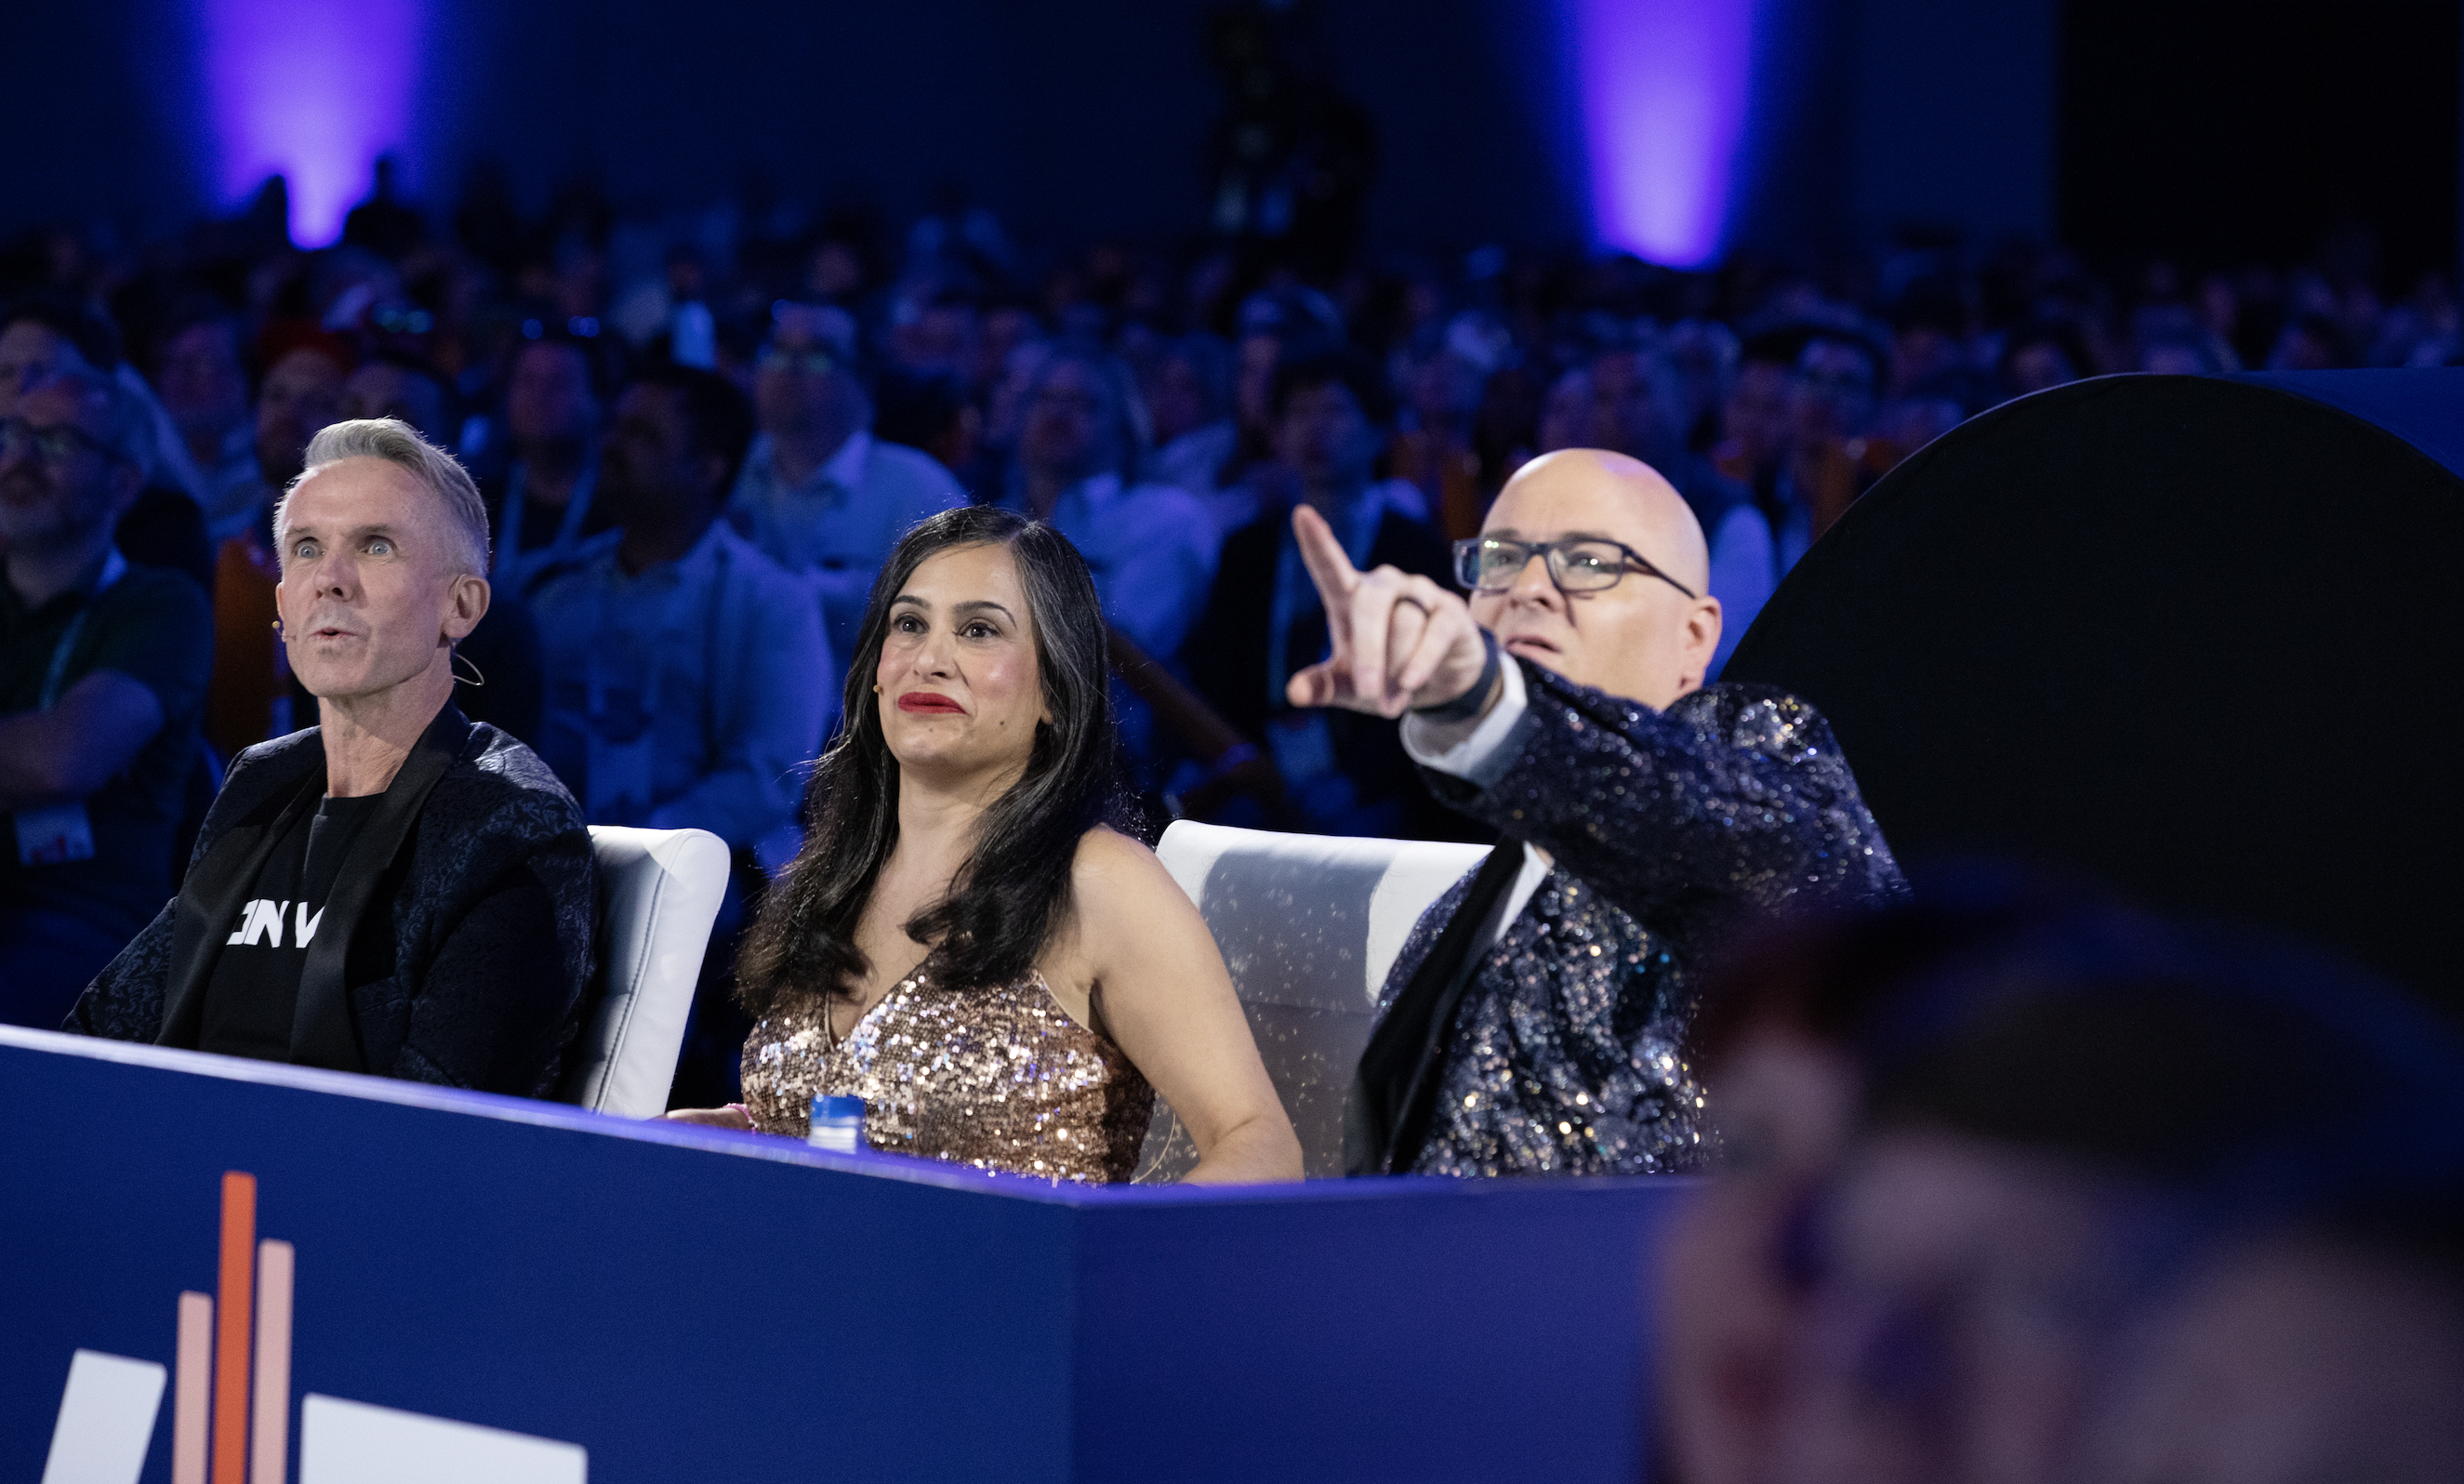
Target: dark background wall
x=88, y=111
x=1068, y=117
x=1953, y=116
x=1092, y=112
x=2259, y=128
x=1075, y=116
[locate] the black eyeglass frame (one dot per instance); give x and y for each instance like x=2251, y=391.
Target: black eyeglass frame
x=1467, y=559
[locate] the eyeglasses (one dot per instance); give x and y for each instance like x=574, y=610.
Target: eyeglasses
x=783, y=358
x=52, y=445
x=1587, y=563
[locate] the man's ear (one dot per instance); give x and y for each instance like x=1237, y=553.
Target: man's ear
x=466, y=603
x=1701, y=642
x=1703, y=629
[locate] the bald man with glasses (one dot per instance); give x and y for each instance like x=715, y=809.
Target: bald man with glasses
x=1534, y=1020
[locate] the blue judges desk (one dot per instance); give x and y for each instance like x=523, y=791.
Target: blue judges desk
x=688, y=1304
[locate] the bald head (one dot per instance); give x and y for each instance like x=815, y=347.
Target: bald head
x=1645, y=638
x=1605, y=487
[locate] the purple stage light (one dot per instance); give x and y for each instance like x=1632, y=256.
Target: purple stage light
x=314, y=89
x=1664, y=88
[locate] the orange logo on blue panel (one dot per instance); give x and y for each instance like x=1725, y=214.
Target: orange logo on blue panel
x=231, y=1399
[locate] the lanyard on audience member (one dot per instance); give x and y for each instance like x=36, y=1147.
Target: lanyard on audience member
x=114, y=567
x=62, y=833
x=569, y=531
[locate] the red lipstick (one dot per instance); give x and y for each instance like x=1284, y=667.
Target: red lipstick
x=931, y=703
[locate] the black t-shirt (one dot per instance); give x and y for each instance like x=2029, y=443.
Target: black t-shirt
x=157, y=628
x=255, y=985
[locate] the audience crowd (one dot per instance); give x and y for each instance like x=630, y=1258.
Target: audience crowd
x=680, y=560
x=2016, y=1185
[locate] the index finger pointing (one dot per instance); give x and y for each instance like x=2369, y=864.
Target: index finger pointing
x=1329, y=565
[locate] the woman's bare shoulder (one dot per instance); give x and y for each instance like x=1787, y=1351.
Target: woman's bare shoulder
x=1131, y=924
x=1113, y=872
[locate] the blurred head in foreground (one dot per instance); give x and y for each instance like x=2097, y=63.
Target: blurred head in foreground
x=2329, y=1350
x=2006, y=1174
x=1779, y=1042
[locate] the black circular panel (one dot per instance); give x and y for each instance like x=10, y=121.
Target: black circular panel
x=2194, y=636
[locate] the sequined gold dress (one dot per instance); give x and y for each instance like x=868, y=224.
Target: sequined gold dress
x=1002, y=1079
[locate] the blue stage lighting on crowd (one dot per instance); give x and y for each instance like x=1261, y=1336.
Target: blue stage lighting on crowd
x=312, y=89
x=1666, y=85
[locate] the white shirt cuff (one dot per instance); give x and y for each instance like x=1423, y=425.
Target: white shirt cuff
x=1482, y=757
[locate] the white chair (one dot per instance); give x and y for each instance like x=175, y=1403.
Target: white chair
x=1309, y=924
x=661, y=890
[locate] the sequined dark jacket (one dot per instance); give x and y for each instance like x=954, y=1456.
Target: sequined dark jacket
x=457, y=943
x=1664, y=827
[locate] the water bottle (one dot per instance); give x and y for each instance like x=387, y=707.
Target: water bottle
x=838, y=1123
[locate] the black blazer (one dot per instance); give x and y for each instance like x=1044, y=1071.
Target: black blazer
x=1732, y=803
x=467, y=911
x=1225, y=657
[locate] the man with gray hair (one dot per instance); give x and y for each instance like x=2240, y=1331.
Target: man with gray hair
x=103, y=665
x=398, y=890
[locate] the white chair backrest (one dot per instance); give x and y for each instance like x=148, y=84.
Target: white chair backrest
x=1309, y=925
x=660, y=893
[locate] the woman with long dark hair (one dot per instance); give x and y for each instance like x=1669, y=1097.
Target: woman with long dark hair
x=964, y=941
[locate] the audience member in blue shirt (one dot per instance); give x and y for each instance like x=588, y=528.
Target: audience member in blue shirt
x=818, y=493
x=1189, y=395
x=1150, y=546
x=690, y=677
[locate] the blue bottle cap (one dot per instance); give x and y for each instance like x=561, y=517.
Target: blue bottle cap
x=835, y=1105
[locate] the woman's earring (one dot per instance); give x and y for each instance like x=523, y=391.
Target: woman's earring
x=876, y=687
x=277, y=629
